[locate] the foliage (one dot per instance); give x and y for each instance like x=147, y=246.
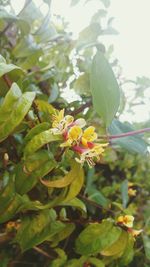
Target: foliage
x=68, y=194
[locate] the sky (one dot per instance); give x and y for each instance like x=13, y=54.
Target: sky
x=132, y=45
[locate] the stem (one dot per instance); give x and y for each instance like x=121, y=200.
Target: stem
x=41, y=251
x=83, y=107
x=129, y=133
x=93, y=203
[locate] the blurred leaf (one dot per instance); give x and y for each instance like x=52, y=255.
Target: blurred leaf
x=146, y=241
x=132, y=143
x=38, y=228
x=98, y=197
x=5, y=68
x=82, y=85
x=88, y=36
x=124, y=193
x=25, y=47
x=74, y=2
x=96, y=262
x=61, y=258
x=31, y=170
x=18, y=105
x=118, y=247
x=104, y=88
x=128, y=254
x=96, y=237
x=66, y=232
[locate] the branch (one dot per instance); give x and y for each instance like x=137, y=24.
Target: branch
x=7, y=80
x=83, y=107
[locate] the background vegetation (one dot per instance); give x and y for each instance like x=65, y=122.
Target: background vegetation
x=53, y=210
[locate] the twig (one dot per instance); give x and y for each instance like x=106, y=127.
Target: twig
x=41, y=251
x=83, y=107
x=36, y=111
x=93, y=203
x=7, y=80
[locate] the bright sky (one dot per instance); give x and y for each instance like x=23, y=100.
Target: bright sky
x=132, y=45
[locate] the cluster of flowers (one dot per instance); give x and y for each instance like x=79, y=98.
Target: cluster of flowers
x=79, y=140
x=127, y=221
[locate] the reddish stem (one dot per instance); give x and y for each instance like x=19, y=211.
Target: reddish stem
x=129, y=133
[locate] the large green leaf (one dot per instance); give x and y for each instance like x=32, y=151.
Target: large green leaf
x=38, y=228
x=96, y=237
x=18, y=105
x=133, y=143
x=104, y=88
x=118, y=247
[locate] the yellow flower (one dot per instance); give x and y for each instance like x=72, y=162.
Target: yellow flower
x=89, y=155
x=132, y=192
x=73, y=137
x=89, y=135
x=126, y=220
x=61, y=122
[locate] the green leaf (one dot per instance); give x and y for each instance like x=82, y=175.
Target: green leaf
x=36, y=130
x=7, y=194
x=32, y=169
x=40, y=140
x=104, y=88
x=5, y=68
x=75, y=202
x=118, y=247
x=66, y=231
x=96, y=237
x=76, y=185
x=66, y=180
x=26, y=47
x=96, y=262
x=146, y=241
x=12, y=208
x=18, y=105
x=134, y=144
x=98, y=197
x=124, y=193
x=61, y=259
x=38, y=228
x=128, y=254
